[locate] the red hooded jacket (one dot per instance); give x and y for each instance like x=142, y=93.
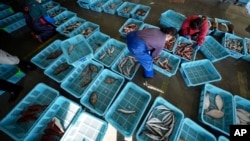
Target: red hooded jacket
x=187, y=30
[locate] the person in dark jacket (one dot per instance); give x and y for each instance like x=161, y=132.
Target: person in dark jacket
x=38, y=20
x=147, y=44
x=195, y=27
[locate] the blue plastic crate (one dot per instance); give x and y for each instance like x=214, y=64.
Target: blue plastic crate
x=41, y=94
x=125, y=53
x=63, y=17
x=235, y=54
x=225, y=22
x=179, y=116
x=182, y=39
x=222, y=138
x=50, y=5
x=73, y=82
x=106, y=92
x=246, y=55
x=135, y=13
x=173, y=62
x=125, y=9
x=241, y=103
x=13, y=22
x=172, y=18
x=5, y=11
x=41, y=60
x=222, y=124
x=96, y=40
x=192, y=131
x=111, y=6
x=112, y=44
x=97, y=5
x=61, y=76
x=130, y=21
x=63, y=109
x=199, y=72
x=87, y=1
x=86, y=29
x=62, y=28
x=213, y=50
x=76, y=50
x=131, y=98
x=86, y=127
x=83, y=4
x=146, y=25
x=56, y=11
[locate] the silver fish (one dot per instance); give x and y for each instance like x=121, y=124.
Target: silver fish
x=126, y=111
x=206, y=101
x=243, y=116
x=219, y=102
x=214, y=113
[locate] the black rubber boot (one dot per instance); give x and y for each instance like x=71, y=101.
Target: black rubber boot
x=26, y=66
x=13, y=89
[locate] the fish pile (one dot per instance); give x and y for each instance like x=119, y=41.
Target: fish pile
x=54, y=131
x=160, y=123
x=170, y=44
x=127, y=65
x=243, y=116
x=184, y=50
x=214, y=112
x=56, y=12
x=31, y=113
x=248, y=47
x=130, y=27
x=163, y=64
x=93, y=99
x=61, y=68
x=86, y=32
x=60, y=21
x=126, y=9
x=86, y=75
x=112, y=6
x=54, y=55
x=234, y=44
x=140, y=12
x=107, y=53
x=71, y=27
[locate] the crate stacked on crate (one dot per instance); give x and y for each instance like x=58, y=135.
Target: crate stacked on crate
x=140, y=12
x=5, y=11
x=111, y=6
x=130, y=25
x=28, y=112
x=125, y=9
x=97, y=6
x=85, y=3
x=13, y=22
x=171, y=18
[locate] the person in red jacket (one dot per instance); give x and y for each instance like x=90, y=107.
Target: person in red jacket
x=195, y=27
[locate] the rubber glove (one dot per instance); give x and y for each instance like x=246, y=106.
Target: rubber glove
x=49, y=19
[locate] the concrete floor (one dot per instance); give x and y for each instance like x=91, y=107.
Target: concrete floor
x=235, y=73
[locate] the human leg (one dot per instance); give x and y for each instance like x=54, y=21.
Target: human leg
x=43, y=31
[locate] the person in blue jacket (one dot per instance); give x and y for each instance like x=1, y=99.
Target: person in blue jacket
x=38, y=20
x=147, y=44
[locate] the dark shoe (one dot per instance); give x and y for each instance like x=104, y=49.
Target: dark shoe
x=15, y=93
x=26, y=66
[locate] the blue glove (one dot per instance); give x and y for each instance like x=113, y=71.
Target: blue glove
x=196, y=48
x=49, y=19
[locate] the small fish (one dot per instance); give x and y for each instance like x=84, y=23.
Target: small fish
x=70, y=49
x=54, y=54
x=126, y=111
x=243, y=111
x=86, y=81
x=214, y=113
x=102, y=56
x=93, y=99
x=243, y=116
x=93, y=68
x=218, y=102
x=109, y=80
x=61, y=68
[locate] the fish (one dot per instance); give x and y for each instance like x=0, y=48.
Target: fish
x=93, y=68
x=70, y=49
x=243, y=111
x=218, y=102
x=110, y=80
x=206, y=101
x=130, y=27
x=58, y=124
x=54, y=54
x=214, y=113
x=243, y=116
x=62, y=67
x=93, y=99
x=126, y=111
x=152, y=87
x=86, y=81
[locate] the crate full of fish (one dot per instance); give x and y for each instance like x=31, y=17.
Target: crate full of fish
x=162, y=122
x=86, y=29
x=192, y=131
x=67, y=29
x=83, y=4
x=172, y=18
x=100, y=95
x=167, y=63
x=213, y=50
x=63, y=17
x=234, y=44
x=82, y=77
x=59, y=70
x=126, y=65
x=140, y=12
x=199, y=72
x=97, y=5
x=13, y=22
x=111, y=6
x=217, y=108
x=146, y=25
x=76, y=50
x=184, y=48
x=86, y=127
x=222, y=138
x=96, y=40
x=125, y=9
x=109, y=52
x=25, y=115
x=242, y=108
x=130, y=25
x=246, y=55
x=50, y=5
x=56, y=11
x=10, y=73
x=5, y=11
x=128, y=108
x=48, y=55
x=55, y=121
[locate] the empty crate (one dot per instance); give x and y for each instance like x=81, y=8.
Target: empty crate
x=171, y=18
x=140, y=12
